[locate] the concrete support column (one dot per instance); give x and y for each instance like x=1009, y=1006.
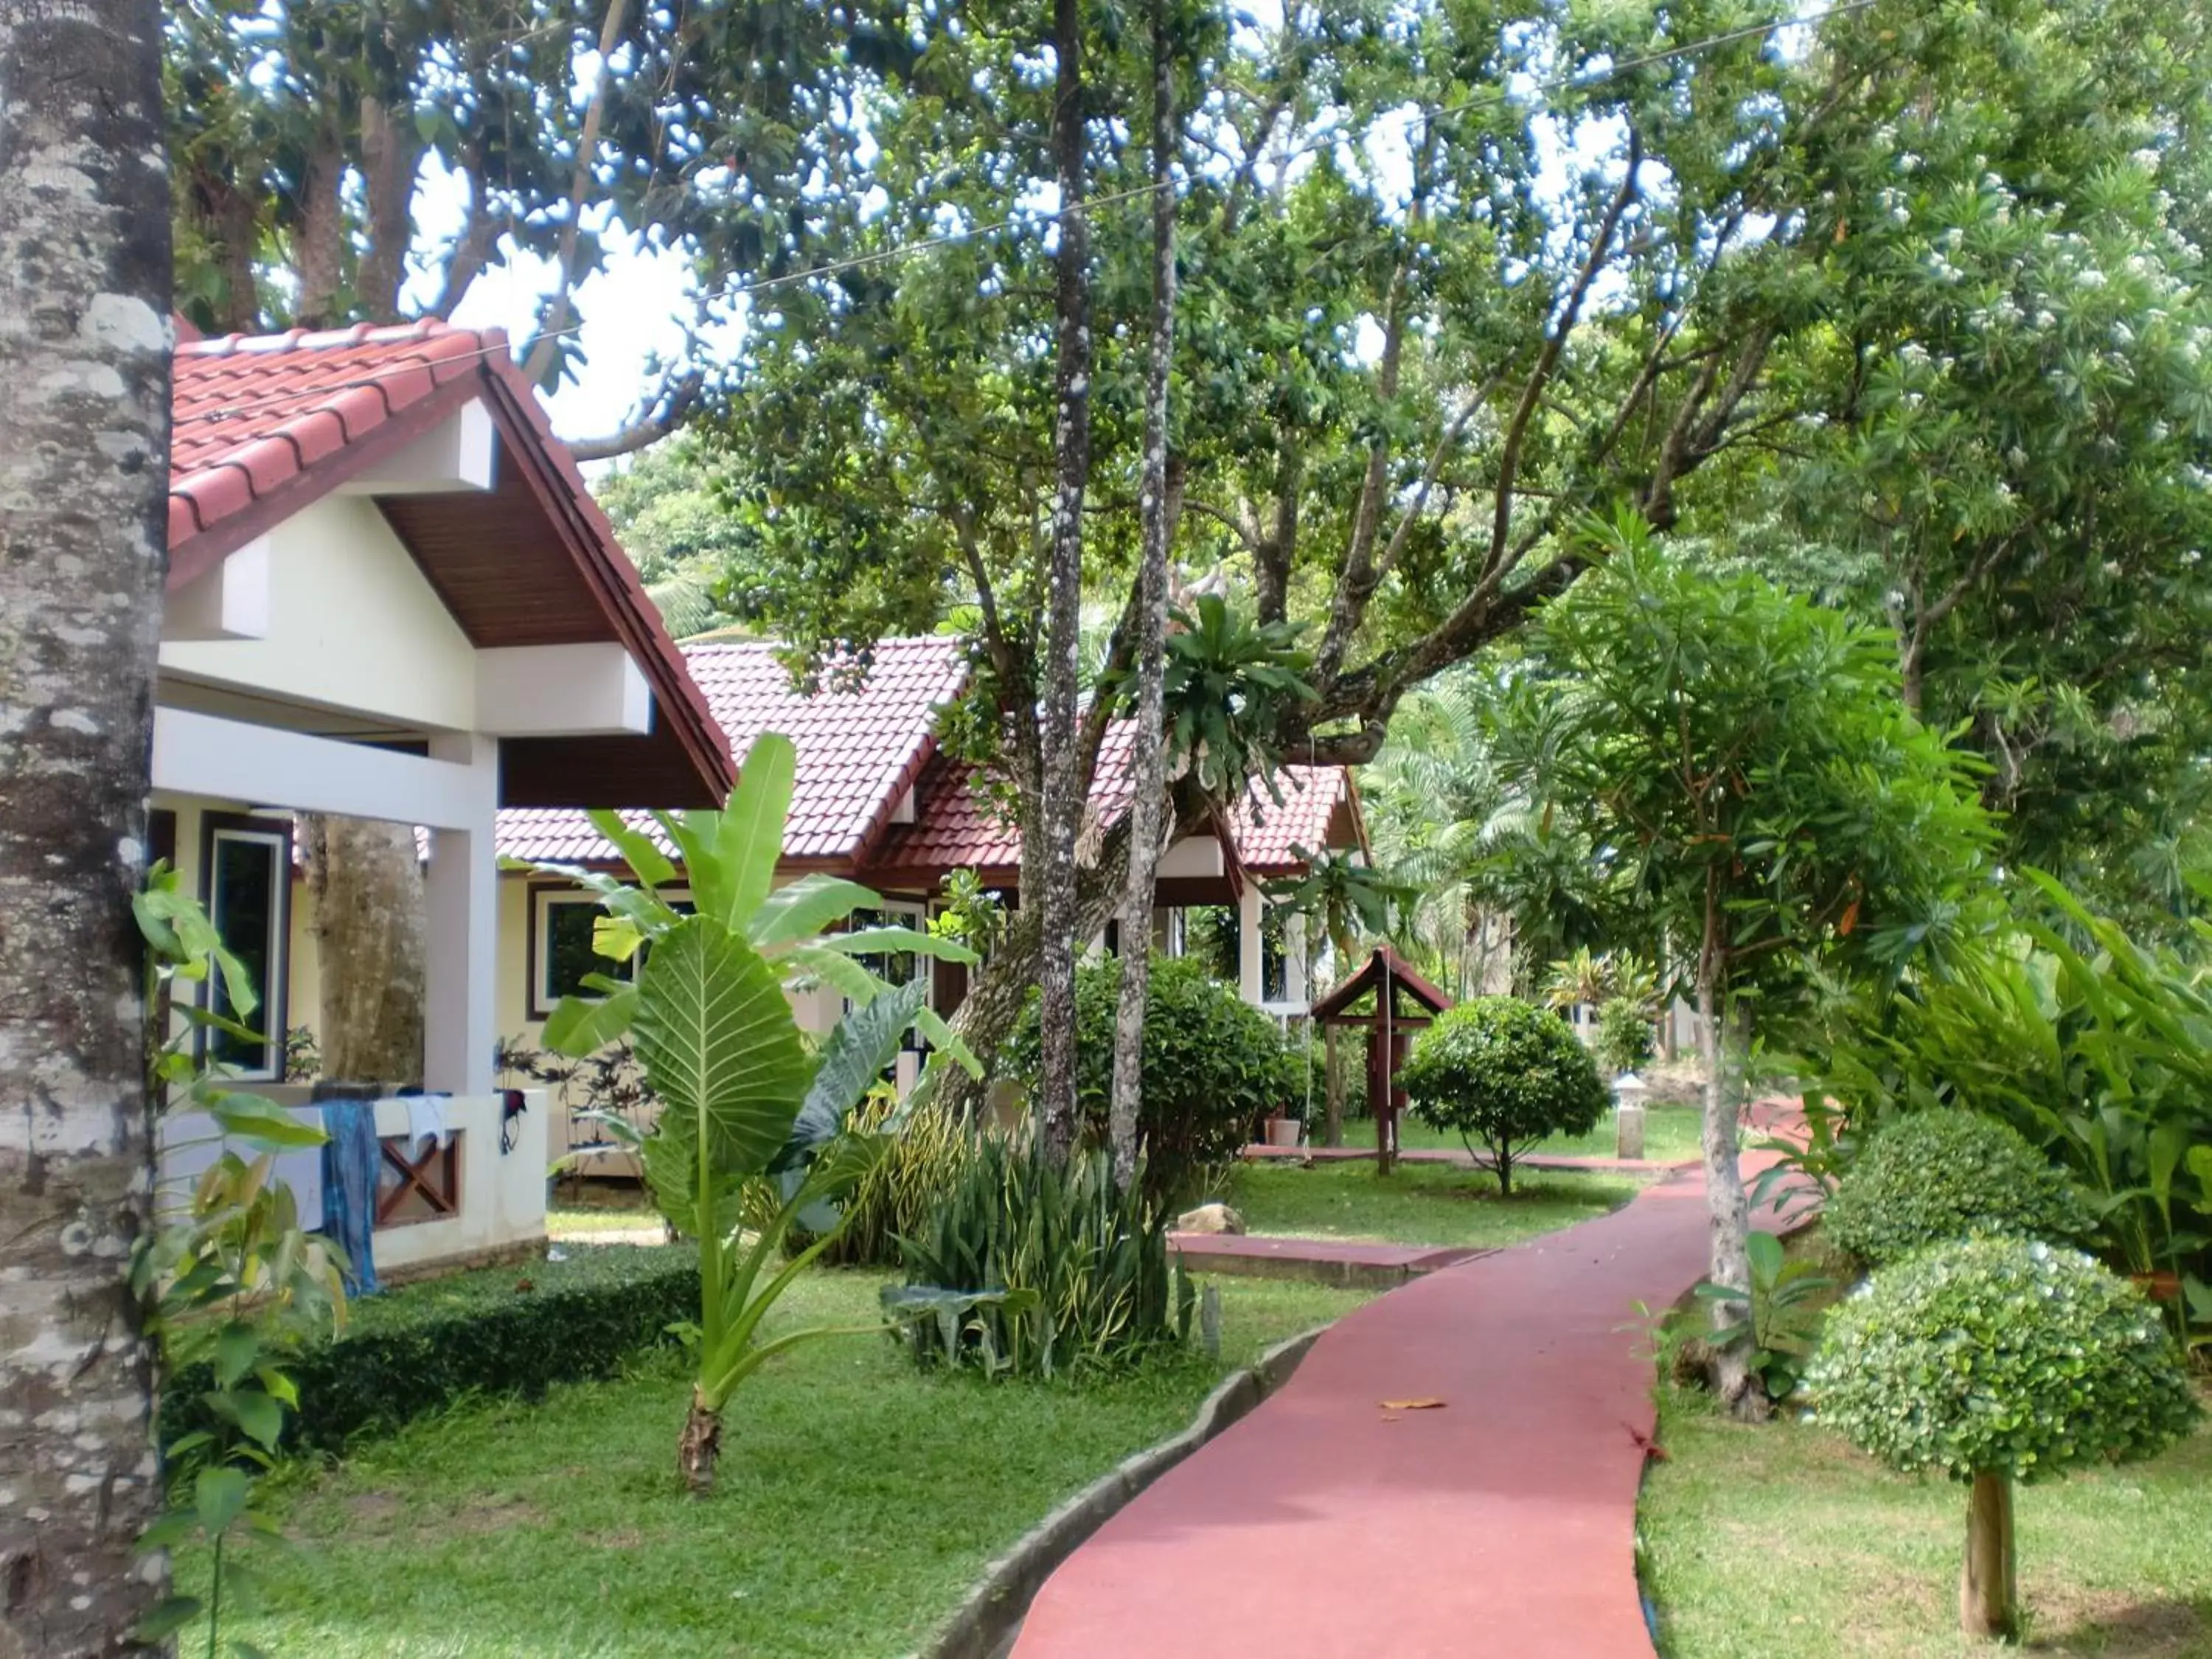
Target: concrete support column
x=1248, y=982
x=1294, y=960
x=459, y=1027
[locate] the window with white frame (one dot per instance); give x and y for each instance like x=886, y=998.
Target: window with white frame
x=246, y=878
x=561, y=921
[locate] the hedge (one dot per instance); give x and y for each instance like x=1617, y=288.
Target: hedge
x=512, y=1330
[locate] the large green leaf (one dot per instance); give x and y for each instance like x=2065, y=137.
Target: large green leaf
x=865, y=1041
x=897, y=941
x=645, y=860
x=841, y=973
x=719, y=1046
x=731, y=856
x=798, y=912
x=582, y=1025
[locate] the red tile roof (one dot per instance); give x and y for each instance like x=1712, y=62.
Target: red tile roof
x=957, y=828
x=861, y=749
x=263, y=427
x=253, y=415
x=1320, y=809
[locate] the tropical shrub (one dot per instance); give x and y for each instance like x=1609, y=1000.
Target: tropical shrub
x=926, y=1151
x=231, y=1280
x=1029, y=1269
x=1624, y=1036
x=1996, y=1360
x=1935, y=1176
x=742, y=1094
x=518, y=1330
x=1496, y=1070
x=1776, y=1319
x=1213, y=1066
x=2097, y=1049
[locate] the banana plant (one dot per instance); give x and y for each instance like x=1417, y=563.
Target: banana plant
x=746, y=1108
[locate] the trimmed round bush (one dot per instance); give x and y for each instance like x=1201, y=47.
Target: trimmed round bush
x=1994, y=1360
x=1935, y=1176
x=2004, y=1354
x=1214, y=1066
x=1499, y=1071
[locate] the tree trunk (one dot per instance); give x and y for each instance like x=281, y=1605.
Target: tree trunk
x=320, y=256
x=997, y=991
x=391, y=157
x=371, y=926
x=699, y=1448
x=227, y=218
x=84, y=417
x=1149, y=758
x=1062, y=805
x=1988, y=1584
x=1332, y=1084
x=1732, y=1378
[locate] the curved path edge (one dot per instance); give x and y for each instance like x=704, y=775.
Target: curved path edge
x=1329, y=1524
x=992, y=1611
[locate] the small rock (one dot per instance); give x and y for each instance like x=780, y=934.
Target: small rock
x=1210, y=1219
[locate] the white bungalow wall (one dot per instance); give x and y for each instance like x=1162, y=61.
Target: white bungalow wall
x=353, y=626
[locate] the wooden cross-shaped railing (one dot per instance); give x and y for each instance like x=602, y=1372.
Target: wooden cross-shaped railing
x=434, y=1177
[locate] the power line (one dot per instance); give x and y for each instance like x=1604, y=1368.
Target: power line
x=1564, y=83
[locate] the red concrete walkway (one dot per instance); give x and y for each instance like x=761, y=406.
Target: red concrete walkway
x=1258, y=1153
x=1326, y=1526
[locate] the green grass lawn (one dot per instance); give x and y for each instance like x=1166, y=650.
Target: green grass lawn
x=1417, y=1203
x=595, y=1221
x=859, y=1500
x=1780, y=1539
x=1670, y=1134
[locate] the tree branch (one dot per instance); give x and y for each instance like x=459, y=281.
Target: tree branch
x=1349, y=606
x=664, y=416
x=1517, y=430
x=545, y=352
x=473, y=248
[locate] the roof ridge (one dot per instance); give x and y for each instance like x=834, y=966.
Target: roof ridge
x=422, y=329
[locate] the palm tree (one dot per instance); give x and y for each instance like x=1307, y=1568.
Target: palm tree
x=1505, y=881
x=84, y=415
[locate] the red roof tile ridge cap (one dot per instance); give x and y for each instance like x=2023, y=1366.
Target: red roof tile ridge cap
x=419, y=331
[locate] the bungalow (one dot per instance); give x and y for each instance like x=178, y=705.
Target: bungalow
x=877, y=800
x=390, y=596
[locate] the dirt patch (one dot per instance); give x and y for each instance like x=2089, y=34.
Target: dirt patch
x=621, y=1538
x=495, y=1513
x=2067, y=1620
x=374, y=1511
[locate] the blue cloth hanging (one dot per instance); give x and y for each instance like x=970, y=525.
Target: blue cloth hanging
x=349, y=1161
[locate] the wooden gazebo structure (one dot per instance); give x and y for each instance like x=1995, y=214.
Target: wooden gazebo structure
x=1399, y=1003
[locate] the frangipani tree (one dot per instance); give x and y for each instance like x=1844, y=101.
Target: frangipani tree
x=744, y=1105
x=1769, y=798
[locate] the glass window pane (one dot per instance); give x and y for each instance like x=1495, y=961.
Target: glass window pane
x=243, y=903
x=569, y=953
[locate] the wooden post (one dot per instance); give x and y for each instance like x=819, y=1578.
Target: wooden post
x=1332, y=1084
x=1987, y=1582
x=1378, y=1094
